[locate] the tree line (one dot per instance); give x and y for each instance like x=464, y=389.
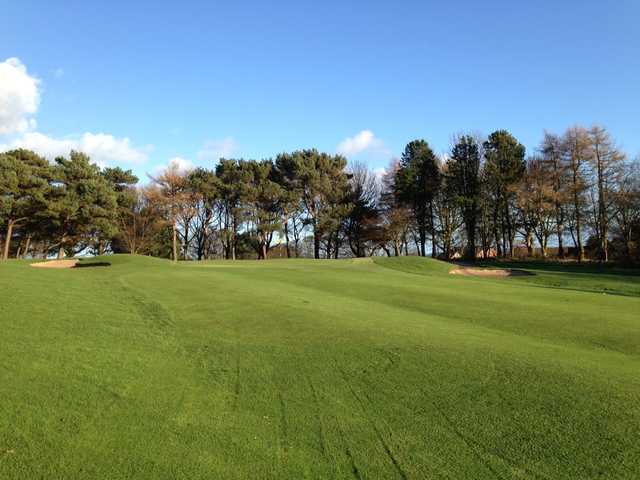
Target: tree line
x=577, y=195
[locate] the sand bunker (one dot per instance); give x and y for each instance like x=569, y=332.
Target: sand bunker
x=56, y=264
x=488, y=272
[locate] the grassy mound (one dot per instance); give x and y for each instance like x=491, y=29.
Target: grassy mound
x=384, y=368
x=417, y=265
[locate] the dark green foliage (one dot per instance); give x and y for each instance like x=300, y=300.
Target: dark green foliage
x=82, y=202
x=263, y=197
x=231, y=190
x=324, y=190
x=464, y=180
x=291, y=205
x=310, y=203
x=122, y=183
x=504, y=167
x=418, y=182
x=24, y=192
x=205, y=189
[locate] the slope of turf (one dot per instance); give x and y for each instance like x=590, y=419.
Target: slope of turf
x=590, y=277
x=315, y=369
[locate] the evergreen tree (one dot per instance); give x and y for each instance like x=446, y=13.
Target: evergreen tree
x=417, y=182
x=464, y=179
x=122, y=182
x=324, y=190
x=291, y=205
x=204, y=187
x=232, y=191
x=24, y=184
x=263, y=198
x=505, y=166
x=82, y=199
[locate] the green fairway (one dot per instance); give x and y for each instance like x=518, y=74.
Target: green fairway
x=364, y=369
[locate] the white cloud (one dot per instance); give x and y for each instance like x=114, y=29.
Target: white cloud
x=365, y=141
x=214, y=150
x=19, y=100
x=102, y=148
x=379, y=172
x=19, y=97
x=181, y=164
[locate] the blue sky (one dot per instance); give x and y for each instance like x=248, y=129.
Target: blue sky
x=251, y=79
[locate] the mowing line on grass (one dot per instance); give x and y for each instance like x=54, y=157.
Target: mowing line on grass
x=321, y=437
x=354, y=468
x=385, y=445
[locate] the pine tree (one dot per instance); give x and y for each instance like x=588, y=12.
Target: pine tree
x=324, y=189
x=505, y=166
x=24, y=185
x=417, y=183
x=464, y=178
x=82, y=201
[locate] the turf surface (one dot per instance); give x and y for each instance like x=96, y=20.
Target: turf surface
x=385, y=368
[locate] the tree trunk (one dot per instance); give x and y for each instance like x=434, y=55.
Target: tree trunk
x=470, y=252
x=433, y=231
x=26, y=248
x=576, y=206
x=175, y=242
x=7, y=240
x=316, y=244
x=579, y=235
x=510, y=234
x=286, y=238
x=602, y=209
x=560, y=245
x=496, y=233
x=185, y=249
x=234, y=239
x=529, y=240
x=423, y=241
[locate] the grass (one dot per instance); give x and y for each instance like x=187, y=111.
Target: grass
x=384, y=368
x=592, y=277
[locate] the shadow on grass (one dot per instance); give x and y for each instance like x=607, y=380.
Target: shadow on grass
x=92, y=264
x=564, y=267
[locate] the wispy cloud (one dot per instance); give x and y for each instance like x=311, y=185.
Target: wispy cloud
x=214, y=150
x=102, y=148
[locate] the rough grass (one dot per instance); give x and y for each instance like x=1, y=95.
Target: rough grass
x=316, y=369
